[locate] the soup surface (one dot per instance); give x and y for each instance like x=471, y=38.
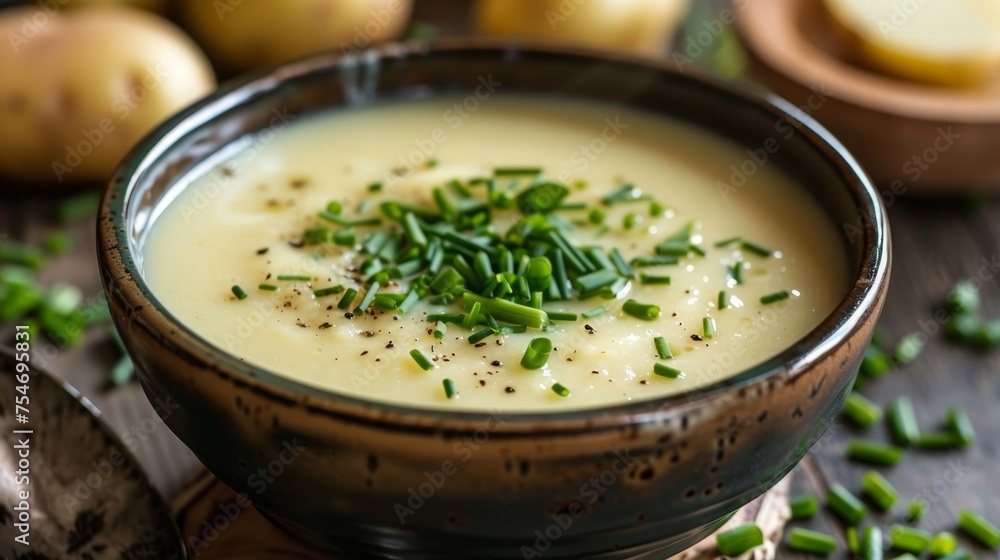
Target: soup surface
x=642, y=213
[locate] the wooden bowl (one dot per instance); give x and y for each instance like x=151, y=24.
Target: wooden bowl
x=909, y=137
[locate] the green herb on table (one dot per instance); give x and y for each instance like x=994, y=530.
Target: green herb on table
x=735, y=542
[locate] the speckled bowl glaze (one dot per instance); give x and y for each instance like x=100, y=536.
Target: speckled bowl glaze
x=370, y=480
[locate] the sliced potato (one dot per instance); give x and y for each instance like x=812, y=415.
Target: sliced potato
x=86, y=86
x=946, y=42
x=244, y=34
x=641, y=26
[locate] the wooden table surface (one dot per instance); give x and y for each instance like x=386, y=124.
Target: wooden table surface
x=936, y=243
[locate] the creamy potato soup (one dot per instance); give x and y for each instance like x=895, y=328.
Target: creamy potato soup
x=528, y=255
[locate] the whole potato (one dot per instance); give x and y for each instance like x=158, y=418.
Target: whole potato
x=639, y=26
x=243, y=34
x=83, y=86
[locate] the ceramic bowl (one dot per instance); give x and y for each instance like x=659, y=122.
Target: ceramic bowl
x=640, y=480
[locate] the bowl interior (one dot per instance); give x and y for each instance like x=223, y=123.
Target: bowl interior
x=241, y=113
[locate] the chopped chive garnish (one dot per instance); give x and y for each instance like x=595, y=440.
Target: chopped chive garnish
x=477, y=337
x=775, y=297
x=626, y=193
x=440, y=329
x=964, y=297
x=804, y=506
x=908, y=348
x=727, y=242
x=902, y=421
x=624, y=268
x=756, y=249
x=708, y=325
x=328, y=291
x=644, y=311
x=560, y=390
x=596, y=280
x=875, y=363
x=977, y=527
x=937, y=440
x=696, y=249
x=723, y=302
x=664, y=370
x=375, y=187
x=654, y=279
x=736, y=271
x=811, y=541
x=347, y=299
x=662, y=348
x=369, y=297
x=874, y=452
x=861, y=411
x=472, y=319
x=423, y=361
x=340, y=220
x=876, y=487
x=345, y=237
x=413, y=231
x=267, y=287
x=239, y=293
x=629, y=221
x=449, y=388
x=942, y=544
x=537, y=353
x=846, y=505
x=409, y=302
x=958, y=422
x=508, y=311
x=596, y=216
x=516, y=171
x=293, y=278
x=909, y=539
x=735, y=542
x=655, y=208
x=591, y=313
x=562, y=316
x=853, y=541
x=334, y=207
x=871, y=544
x=915, y=510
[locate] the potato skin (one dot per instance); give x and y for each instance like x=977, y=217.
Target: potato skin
x=243, y=34
x=86, y=85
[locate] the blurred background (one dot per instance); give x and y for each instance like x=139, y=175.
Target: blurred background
x=914, y=94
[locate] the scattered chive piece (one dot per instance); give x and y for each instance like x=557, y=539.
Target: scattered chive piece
x=964, y=297
x=915, y=510
x=861, y=411
x=508, y=311
x=958, y=422
x=876, y=487
x=696, y=249
x=644, y=311
x=909, y=539
x=629, y=221
x=908, y=348
x=596, y=216
x=348, y=299
x=662, y=348
x=811, y=541
x=624, y=268
x=708, y=325
x=328, y=291
x=937, y=440
x=239, y=293
x=123, y=372
x=736, y=272
x=664, y=370
x=804, y=506
x=409, y=302
x=79, y=207
x=369, y=297
x=727, y=242
x=905, y=556
x=654, y=279
x=625, y=193
x=477, y=337
x=375, y=187
x=775, y=297
x=875, y=362
x=723, y=302
x=537, y=353
x=560, y=390
x=596, y=280
x=472, y=319
x=942, y=544
x=846, y=505
x=591, y=313
x=293, y=278
x=561, y=316
x=440, y=328
x=735, y=542
x=986, y=533
x=449, y=388
x=654, y=261
x=516, y=171
x=334, y=207
x=958, y=555
x=853, y=541
x=58, y=243
x=423, y=361
x=902, y=421
x=655, y=208
x=756, y=249
x=345, y=237
x=874, y=452
x=267, y=287
x=871, y=544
